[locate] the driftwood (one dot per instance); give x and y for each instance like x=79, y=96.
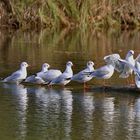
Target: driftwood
x=99, y=88
x=116, y=88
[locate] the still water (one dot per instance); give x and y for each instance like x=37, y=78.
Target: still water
x=39, y=113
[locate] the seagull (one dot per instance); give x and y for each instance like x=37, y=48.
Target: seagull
x=19, y=75
x=51, y=75
x=104, y=72
x=38, y=77
x=137, y=74
x=81, y=77
x=136, y=70
x=121, y=67
x=127, y=70
x=114, y=59
x=65, y=77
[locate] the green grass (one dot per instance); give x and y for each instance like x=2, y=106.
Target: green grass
x=77, y=13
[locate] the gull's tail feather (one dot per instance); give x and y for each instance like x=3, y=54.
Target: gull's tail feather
x=2, y=80
x=68, y=78
x=124, y=75
x=87, y=73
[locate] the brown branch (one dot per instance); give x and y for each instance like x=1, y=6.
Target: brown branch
x=116, y=88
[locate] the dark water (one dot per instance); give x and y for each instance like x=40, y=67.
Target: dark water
x=39, y=113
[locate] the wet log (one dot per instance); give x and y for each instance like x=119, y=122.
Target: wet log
x=116, y=89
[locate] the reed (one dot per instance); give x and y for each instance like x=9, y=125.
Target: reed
x=76, y=13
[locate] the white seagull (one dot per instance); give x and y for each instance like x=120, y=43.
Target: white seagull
x=127, y=70
x=19, y=75
x=38, y=77
x=136, y=69
x=121, y=67
x=51, y=75
x=81, y=77
x=104, y=72
x=65, y=77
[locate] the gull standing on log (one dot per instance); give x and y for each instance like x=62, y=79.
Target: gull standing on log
x=19, y=75
x=51, y=75
x=121, y=67
x=65, y=77
x=37, y=78
x=127, y=70
x=135, y=68
x=104, y=72
x=81, y=77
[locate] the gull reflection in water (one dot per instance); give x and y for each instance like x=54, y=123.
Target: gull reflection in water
x=137, y=116
x=67, y=100
x=137, y=109
x=21, y=101
x=54, y=109
x=88, y=106
x=108, y=116
x=84, y=108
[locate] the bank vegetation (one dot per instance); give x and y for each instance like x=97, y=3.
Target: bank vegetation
x=37, y=14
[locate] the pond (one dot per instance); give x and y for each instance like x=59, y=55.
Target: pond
x=70, y=113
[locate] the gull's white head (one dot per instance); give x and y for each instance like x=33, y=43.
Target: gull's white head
x=90, y=63
x=45, y=67
x=24, y=65
x=69, y=63
x=131, y=52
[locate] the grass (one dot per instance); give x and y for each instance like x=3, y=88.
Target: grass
x=76, y=13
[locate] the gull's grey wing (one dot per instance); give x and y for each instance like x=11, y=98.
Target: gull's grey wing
x=113, y=59
x=80, y=75
x=61, y=78
x=13, y=77
x=138, y=58
x=51, y=74
x=30, y=78
x=118, y=66
x=128, y=64
x=99, y=73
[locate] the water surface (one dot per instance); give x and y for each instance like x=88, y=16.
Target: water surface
x=39, y=113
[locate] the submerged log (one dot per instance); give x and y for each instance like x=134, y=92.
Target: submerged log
x=98, y=88
x=116, y=88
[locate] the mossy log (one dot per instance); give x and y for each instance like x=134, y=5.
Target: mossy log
x=116, y=88
x=131, y=88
